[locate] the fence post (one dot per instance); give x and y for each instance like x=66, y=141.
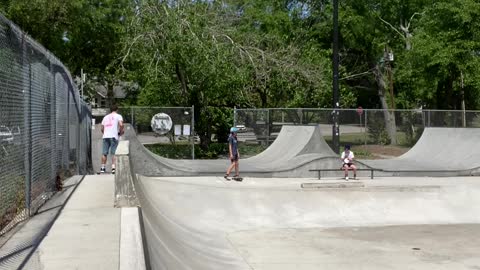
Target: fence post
x=53, y=124
x=78, y=124
x=268, y=127
x=28, y=127
x=234, y=116
x=131, y=118
x=192, y=132
x=428, y=122
x=365, y=128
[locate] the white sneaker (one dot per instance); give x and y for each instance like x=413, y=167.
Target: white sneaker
x=346, y=178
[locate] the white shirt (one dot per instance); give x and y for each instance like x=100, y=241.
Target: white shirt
x=111, y=123
x=349, y=158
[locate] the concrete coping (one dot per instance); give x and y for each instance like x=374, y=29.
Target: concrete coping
x=333, y=185
x=123, y=148
x=132, y=254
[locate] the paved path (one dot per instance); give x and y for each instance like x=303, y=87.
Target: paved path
x=86, y=235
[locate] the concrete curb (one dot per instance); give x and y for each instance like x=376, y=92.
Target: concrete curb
x=125, y=195
x=132, y=254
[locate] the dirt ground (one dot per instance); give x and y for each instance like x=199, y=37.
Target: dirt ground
x=379, y=151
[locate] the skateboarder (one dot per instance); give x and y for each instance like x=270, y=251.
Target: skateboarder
x=234, y=155
x=347, y=159
x=112, y=128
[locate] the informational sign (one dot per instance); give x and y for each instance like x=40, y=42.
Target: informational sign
x=161, y=123
x=186, y=130
x=178, y=130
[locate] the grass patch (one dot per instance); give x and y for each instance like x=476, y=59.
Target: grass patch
x=363, y=154
x=360, y=138
x=371, y=150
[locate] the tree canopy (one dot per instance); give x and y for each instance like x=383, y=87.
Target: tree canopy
x=267, y=53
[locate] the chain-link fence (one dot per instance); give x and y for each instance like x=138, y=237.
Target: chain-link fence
x=179, y=124
x=357, y=126
x=44, y=126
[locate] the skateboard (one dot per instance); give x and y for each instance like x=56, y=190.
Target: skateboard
x=239, y=179
x=105, y=172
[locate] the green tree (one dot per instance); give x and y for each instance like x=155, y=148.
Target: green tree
x=445, y=53
x=213, y=55
x=81, y=33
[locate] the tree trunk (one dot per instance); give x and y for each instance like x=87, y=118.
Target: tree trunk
x=181, y=78
x=389, y=115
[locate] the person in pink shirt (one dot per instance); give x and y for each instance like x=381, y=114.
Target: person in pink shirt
x=112, y=129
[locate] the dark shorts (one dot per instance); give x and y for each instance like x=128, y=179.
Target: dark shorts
x=347, y=164
x=234, y=158
x=109, y=144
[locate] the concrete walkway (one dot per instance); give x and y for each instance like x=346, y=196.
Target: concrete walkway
x=86, y=235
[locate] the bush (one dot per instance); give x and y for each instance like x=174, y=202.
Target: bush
x=378, y=133
x=412, y=133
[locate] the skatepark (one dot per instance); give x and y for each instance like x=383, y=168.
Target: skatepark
x=419, y=212
x=292, y=208
x=298, y=149
x=281, y=217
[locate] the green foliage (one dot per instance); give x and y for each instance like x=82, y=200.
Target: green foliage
x=81, y=33
x=214, y=150
x=378, y=133
x=202, y=54
x=265, y=53
x=444, y=49
x=409, y=128
x=184, y=151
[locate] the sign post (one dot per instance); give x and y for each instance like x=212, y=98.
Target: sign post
x=360, y=112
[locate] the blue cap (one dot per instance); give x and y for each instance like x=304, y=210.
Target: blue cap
x=233, y=130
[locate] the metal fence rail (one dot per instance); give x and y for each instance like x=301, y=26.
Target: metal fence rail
x=182, y=130
x=44, y=126
x=365, y=126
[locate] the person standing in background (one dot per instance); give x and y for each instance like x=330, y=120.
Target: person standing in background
x=234, y=155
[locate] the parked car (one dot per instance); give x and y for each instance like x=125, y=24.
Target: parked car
x=17, y=135
x=6, y=135
x=241, y=128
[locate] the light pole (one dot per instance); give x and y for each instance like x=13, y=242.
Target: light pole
x=336, y=98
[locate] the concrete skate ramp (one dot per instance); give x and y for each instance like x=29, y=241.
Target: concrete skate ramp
x=295, y=147
x=208, y=223
x=438, y=150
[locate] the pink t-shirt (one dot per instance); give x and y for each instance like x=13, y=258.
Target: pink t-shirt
x=111, y=123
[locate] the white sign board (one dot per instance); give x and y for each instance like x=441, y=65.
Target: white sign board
x=161, y=123
x=178, y=130
x=186, y=130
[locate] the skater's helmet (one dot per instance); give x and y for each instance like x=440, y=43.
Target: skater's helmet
x=233, y=130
